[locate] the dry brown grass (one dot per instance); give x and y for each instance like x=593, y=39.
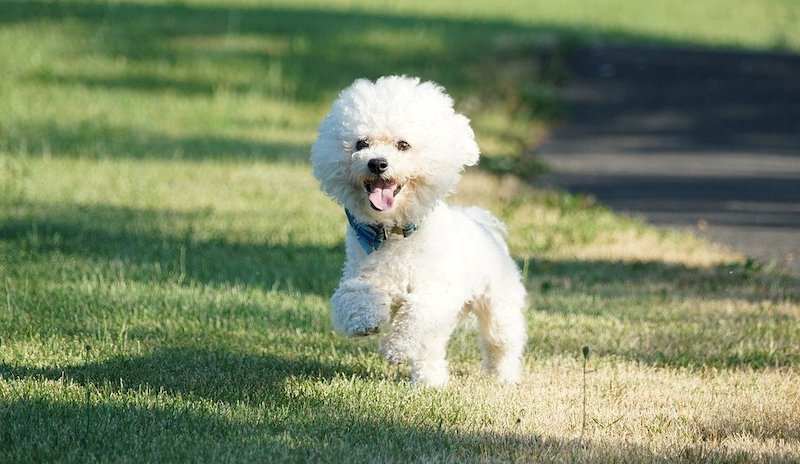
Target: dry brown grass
x=640, y=409
x=639, y=413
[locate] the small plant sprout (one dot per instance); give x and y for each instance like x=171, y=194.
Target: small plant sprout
x=583, y=415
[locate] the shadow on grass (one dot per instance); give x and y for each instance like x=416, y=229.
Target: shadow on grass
x=292, y=55
x=215, y=375
x=107, y=141
x=131, y=238
x=315, y=49
x=747, y=281
x=179, y=404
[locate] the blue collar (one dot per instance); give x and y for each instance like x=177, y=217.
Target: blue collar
x=371, y=237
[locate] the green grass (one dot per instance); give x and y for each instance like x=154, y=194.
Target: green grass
x=166, y=258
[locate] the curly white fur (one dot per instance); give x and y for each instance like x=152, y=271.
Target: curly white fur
x=415, y=289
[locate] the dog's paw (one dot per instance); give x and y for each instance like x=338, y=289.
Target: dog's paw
x=358, y=310
x=363, y=330
x=430, y=373
x=432, y=379
x=362, y=323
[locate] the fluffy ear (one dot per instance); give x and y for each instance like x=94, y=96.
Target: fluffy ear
x=464, y=140
x=327, y=155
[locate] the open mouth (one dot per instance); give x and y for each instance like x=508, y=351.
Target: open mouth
x=382, y=192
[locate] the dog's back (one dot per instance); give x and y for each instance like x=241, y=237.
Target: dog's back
x=489, y=222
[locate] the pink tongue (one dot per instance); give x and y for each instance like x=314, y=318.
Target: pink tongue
x=382, y=195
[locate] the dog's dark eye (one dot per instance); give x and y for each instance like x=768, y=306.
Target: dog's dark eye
x=403, y=145
x=362, y=144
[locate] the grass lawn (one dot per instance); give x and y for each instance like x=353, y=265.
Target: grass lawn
x=166, y=258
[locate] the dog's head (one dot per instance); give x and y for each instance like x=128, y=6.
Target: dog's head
x=389, y=150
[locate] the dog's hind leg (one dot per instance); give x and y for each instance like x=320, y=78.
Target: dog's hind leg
x=502, y=329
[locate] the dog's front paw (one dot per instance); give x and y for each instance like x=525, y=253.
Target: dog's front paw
x=363, y=324
x=358, y=310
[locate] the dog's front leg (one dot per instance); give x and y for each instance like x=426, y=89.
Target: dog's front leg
x=419, y=333
x=358, y=309
x=401, y=341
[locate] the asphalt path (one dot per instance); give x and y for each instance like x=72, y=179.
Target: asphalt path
x=708, y=140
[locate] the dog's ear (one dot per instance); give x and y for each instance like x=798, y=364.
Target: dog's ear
x=464, y=141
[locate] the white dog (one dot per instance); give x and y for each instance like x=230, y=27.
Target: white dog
x=389, y=152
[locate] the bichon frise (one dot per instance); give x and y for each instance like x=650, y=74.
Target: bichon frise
x=389, y=152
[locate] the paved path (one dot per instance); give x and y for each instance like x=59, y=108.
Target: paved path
x=707, y=140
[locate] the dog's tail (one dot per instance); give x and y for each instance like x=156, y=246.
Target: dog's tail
x=490, y=223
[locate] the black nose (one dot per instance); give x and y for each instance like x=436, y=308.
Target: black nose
x=377, y=165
